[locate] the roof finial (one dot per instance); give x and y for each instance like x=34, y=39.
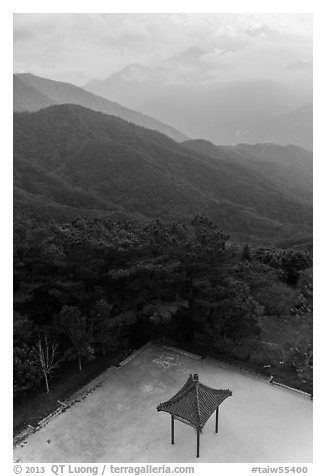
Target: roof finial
x=195, y=378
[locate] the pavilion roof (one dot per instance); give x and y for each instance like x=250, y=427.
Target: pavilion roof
x=194, y=403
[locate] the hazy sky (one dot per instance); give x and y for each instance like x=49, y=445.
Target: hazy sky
x=96, y=45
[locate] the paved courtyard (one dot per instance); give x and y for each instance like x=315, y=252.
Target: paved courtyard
x=118, y=422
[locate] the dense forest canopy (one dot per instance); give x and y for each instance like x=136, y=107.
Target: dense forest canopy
x=90, y=286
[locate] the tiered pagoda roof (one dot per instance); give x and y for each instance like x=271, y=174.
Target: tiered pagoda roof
x=194, y=403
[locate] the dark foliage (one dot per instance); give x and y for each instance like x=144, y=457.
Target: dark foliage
x=104, y=286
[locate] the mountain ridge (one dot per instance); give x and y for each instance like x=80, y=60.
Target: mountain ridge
x=138, y=172
x=291, y=166
x=57, y=92
x=200, y=99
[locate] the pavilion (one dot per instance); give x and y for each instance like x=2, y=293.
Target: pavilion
x=193, y=404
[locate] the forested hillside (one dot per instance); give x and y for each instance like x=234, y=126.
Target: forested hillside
x=289, y=167
x=70, y=161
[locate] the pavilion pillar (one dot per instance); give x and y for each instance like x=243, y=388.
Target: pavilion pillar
x=198, y=439
x=172, y=429
x=216, y=421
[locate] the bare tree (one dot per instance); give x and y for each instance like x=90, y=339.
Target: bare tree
x=74, y=325
x=47, y=355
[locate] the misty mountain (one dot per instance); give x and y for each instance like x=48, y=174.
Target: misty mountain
x=228, y=113
x=71, y=161
x=32, y=93
x=135, y=84
x=130, y=86
x=196, y=93
x=225, y=113
x=295, y=127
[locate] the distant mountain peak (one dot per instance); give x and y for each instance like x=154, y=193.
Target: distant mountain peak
x=132, y=72
x=134, y=67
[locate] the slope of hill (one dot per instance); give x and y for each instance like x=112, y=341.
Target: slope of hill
x=27, y=98
x=32, y=93
x=70, y=157
x=290, y=168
